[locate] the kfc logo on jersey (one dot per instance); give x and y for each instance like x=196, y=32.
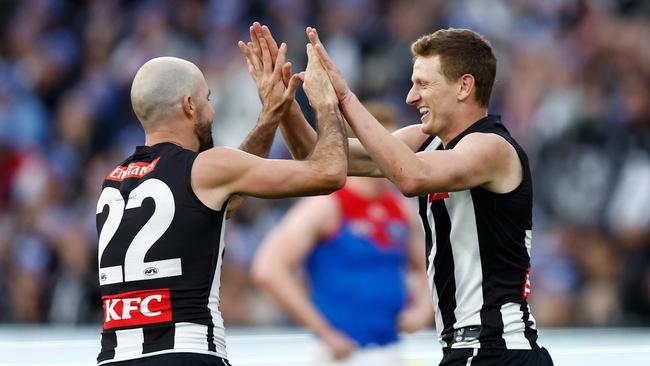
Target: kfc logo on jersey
x=133, y=170
x=137, y=308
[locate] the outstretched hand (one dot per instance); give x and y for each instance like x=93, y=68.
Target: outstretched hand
x=268, y=67
x=317, y=84
x=338, y=82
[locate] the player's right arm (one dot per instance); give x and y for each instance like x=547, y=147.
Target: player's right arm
x=221, y=172
x=301, y=137
x=281, y=254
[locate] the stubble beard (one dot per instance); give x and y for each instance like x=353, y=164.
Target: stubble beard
x=203, y=132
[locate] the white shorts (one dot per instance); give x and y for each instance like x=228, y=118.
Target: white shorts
x=388, y=355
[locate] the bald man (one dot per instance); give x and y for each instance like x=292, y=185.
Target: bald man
x=161, y=213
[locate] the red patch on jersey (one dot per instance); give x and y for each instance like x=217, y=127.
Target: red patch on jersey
x=380, y=218
x=137, y=308
x=438, y=196
x=133, y=170
x=527, y=284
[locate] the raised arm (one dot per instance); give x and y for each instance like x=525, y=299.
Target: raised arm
x=477, y=160
x=300, y=136
x=276, y=101
x=296, y=131
x=219, y=173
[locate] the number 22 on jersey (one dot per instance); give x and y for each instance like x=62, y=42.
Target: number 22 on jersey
x=135, y=268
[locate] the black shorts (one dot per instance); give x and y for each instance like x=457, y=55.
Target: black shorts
x=175, y=359
x=495, y=357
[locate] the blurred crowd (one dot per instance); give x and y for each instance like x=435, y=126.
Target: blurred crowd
x=573, y=85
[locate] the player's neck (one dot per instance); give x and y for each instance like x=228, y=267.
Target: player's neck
x=184, y=139
x=461, y=122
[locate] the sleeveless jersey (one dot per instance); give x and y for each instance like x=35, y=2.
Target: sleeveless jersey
x=478, y=255
x=357, y=275
x=160, y=253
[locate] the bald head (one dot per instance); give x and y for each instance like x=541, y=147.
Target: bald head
x=160, y=86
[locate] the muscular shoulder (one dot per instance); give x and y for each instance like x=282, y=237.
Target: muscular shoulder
x=212, y=169
x=218, y=156
x=495, y=154
x=224, y=160
x=495, y=146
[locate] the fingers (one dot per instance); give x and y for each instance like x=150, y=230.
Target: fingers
x=325, y=59
x=270, y=41
x=312, y=57
x=292, y=86
x=251, y=59
x=312, y=34
x=279, y=61
x=286, y=73
x=255, y=40
x=260, y=32
x=266, y=57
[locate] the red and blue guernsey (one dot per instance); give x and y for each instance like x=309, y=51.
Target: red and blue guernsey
x=357, y=275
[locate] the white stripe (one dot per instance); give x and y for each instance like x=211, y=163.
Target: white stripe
x=528, y=239
x=469, y=360
x=467, y=259
x=213, y=298
x=190, y=336
x=434, y=144
x=129, y=343
x=513, y=326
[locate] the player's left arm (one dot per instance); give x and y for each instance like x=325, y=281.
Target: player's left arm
x=479, y=159
x=419, y=312
x=258, y=142
x=266, y=67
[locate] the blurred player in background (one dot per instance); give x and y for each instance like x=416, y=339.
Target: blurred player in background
x=475, y=194
x=161, y=213
x=364, y=263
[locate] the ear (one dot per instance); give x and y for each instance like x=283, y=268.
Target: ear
x=465, y=87
x=188, y=107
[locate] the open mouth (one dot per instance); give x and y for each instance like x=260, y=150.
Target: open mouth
x=424, y=112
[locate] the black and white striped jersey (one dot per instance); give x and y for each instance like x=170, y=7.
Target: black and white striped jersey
x=160, y=252
x=478, y=255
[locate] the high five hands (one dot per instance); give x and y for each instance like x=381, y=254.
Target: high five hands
x=338, y=82
x=269, y=69
x=268, y=66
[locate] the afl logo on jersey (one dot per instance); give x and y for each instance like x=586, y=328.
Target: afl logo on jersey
x=103, y=277
x=150, y=271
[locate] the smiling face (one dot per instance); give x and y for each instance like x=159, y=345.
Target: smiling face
x=432, y=94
